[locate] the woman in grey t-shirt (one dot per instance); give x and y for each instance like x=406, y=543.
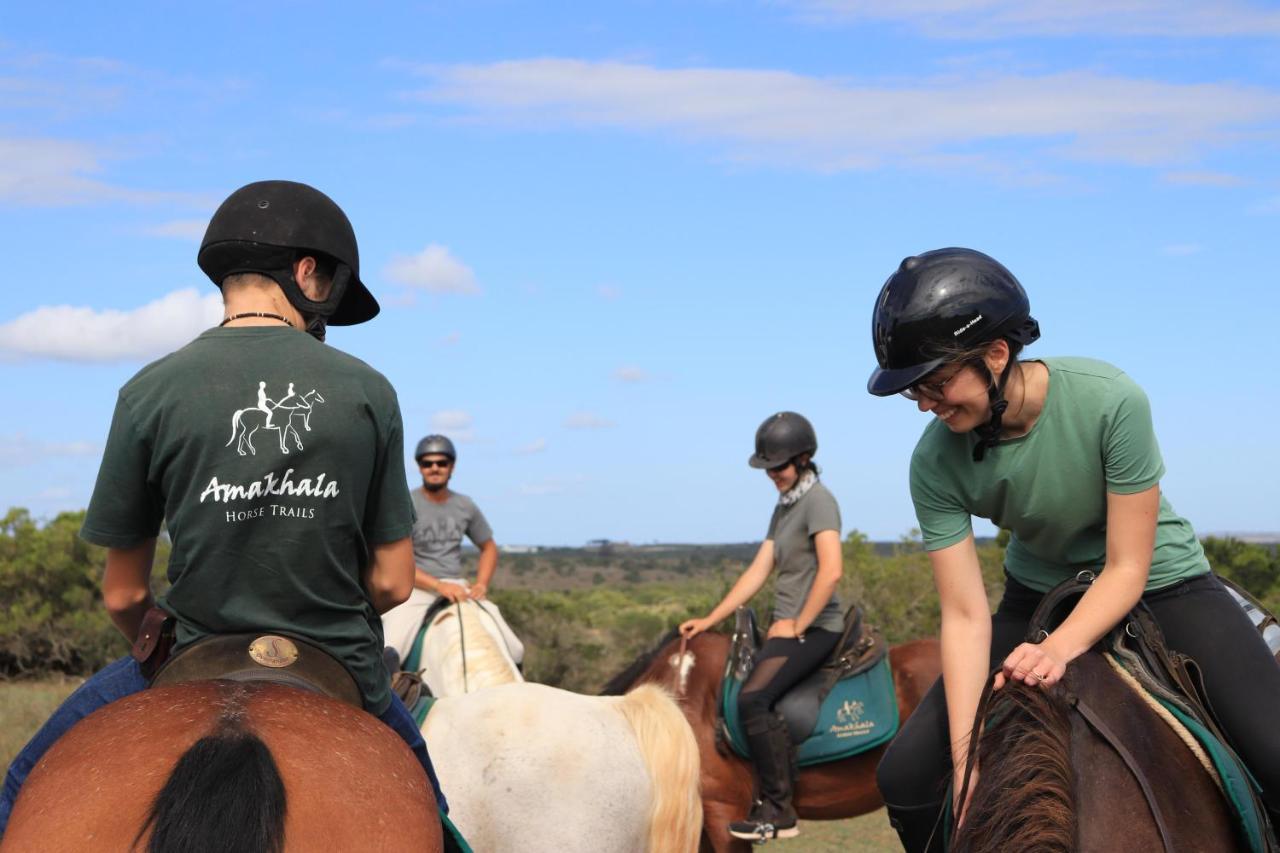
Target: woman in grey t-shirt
x=803, y=547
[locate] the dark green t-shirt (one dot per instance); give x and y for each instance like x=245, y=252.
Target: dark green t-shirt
x=795, y=559
x=1049, y=487
x=276, y=463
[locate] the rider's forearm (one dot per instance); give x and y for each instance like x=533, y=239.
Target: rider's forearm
x=746, y=586
x=487, y=563
x=424, y=580
x=126, y=586
x=966, y=650
x=1100, y=609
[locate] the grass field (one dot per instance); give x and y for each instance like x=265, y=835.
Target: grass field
x=25, y=705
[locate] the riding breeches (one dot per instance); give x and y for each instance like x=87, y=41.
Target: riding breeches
x=1197, y=616
x=122, y=678
x=400, y=624
x=781, y=664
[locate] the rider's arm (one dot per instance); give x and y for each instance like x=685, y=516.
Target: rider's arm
x=1131, y=539
x=486, y=565
x=830, y=568
x=966, y=639
x=389, y=576
x=747, y=585
x=126, y=586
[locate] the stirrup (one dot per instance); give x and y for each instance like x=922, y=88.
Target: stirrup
x=761, y=831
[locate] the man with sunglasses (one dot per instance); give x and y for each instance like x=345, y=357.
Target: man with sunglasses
x=444, y=518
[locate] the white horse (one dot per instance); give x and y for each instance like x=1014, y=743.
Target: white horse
x=530, y=767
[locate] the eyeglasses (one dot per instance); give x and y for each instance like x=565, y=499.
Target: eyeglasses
x=935, y=390
x=435, y=463
x=778, y=469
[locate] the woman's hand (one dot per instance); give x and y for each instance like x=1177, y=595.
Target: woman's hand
x=691, y=628
x=455, y=592
x=785, y=628
x=478, y=591
x=1035, y=664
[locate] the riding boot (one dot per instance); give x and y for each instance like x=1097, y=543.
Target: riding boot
x=919, y=828
x=772, y=758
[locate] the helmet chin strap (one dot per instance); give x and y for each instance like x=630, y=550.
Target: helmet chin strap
x=989, y=433
x=316, y=314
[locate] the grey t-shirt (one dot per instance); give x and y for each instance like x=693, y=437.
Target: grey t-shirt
x=792, y=529
x=438, y=532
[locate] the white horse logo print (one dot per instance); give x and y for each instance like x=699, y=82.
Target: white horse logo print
x=278, y=415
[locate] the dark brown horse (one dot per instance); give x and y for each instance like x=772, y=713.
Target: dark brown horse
x=839, y=789
x=226, y=766
x=1049, y=779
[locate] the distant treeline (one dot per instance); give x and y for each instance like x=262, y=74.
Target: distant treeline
x=583, y=614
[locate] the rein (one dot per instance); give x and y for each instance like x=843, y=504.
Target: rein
x=462, y=636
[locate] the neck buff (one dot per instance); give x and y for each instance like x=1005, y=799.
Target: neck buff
x=799, y=490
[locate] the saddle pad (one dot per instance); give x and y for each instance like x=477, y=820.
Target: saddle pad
x=860, y=713
x=1236, y=779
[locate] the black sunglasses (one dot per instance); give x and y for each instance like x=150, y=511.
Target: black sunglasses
x=778, y=469
x=435, y=463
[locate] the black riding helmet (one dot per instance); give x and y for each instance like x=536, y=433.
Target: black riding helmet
x=936, y=301
x=941, y=300
x=435, y=444
x=781, y=438
x=265, y=226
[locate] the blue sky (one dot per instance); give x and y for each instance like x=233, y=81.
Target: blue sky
x=609, y=241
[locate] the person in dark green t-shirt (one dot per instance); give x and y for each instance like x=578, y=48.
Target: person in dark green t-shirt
x=273, y=461
x=802, y=550
x=1061, y=452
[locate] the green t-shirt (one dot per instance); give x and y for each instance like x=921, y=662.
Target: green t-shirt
x=1049, y=487
x=276, y=463
x=795, y=559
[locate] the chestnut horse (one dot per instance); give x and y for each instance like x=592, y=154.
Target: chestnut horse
x=832, y=791
x=1049, y=779
x=226, y=766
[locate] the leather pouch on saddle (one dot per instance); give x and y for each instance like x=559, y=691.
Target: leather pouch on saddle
x=154, y=643
x=276, y=658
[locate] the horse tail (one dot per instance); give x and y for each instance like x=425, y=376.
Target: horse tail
x=225, y=795
x=235, y=424
x=1025, y=796
x=671, y=755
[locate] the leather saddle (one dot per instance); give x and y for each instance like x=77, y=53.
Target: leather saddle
x=276, y=657
x=806, y=708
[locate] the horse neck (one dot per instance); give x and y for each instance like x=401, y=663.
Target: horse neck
x=692, y=676
x=485, y=663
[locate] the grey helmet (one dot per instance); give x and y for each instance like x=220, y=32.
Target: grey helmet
x=783, y=437
x=435, y=444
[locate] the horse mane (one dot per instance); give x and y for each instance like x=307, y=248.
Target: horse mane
x=1025, y=793
x=623, y=681
x=486, y=664
x=225, y=795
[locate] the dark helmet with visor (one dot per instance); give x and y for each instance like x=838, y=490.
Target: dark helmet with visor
x=433, y=444
x=781, y=438
x=937, y=302
x=265, y=226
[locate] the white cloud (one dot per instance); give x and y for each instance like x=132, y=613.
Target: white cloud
x=831, y=124
x=455, y=424
x=587, y=420
x=57, y=172
x=79, y=333
x=538, y=445
x=434, y=270
x=20, y=449
x=1182, y=249
x=993, y=19
x=631, y=375
x=1203, y=179
x=182, y=229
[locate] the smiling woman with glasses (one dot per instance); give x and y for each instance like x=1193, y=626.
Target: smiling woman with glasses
x=1062, y=453
x=802, y=549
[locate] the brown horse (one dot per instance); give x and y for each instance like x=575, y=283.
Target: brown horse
x=1050, y=779
x=226, y=766
x=839, y=789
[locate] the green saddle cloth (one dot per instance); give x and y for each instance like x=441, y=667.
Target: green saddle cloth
x=860, y=713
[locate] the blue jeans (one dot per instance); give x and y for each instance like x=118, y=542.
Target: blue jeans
x=123, y=678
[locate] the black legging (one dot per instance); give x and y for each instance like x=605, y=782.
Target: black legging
x=1198, y=617
x=782, y=663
